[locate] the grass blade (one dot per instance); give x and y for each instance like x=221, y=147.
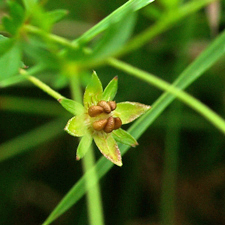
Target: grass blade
x=114, y=16
x=27, y=141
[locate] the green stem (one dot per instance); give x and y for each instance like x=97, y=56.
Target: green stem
x=165, y=23
x=95, y=210
x=50, y=37
x=169, y=176
x=205, y=111
x=41, y=85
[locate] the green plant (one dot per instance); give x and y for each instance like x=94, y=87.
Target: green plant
x=29, y=27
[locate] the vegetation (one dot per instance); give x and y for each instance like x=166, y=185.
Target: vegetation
x=161, y=52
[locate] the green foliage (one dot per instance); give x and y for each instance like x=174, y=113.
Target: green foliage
x=29, y=51
x=16, y=17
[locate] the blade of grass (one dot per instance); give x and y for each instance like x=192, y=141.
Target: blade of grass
x=211, y=54
x=195, y=104
x=27, y=141
x=31, y=106
x=165, y=23
x=114, y=16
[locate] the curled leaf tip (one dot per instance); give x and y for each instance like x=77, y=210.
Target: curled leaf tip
x=115, y=78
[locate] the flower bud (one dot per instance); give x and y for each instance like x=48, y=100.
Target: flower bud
x=100, y=124
x=109, y=127
x=105, y=106
x=117, y=123
x=95, y=110
x=112, y=105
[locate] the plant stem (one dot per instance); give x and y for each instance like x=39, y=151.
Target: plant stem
x=205, y=111
x=50, y=37
x=95, y=210
x=41, y=85
x=169, y=176
x=165, y=23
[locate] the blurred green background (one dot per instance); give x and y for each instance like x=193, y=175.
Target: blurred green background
x=179, y=148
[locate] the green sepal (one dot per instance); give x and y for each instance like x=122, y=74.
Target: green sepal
x=124, y=137
x=108, y=147
x=93, y=91
x=76, y=126
x=83, y=146
x=110, y=90
x=72, y=106
x=29, y=4
x=129, y=111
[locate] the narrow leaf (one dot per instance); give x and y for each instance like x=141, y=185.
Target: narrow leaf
x=108, y=147
x=129, y=111
x=93, y=91
x=72, y=106
x=114, y=16
x=83, y=146
x=26, y=141
x=76, y=126
x=113, y=39
x=124, y=137
x=110, y=90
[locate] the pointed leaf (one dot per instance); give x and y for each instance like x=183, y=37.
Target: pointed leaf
x=93, y=91
x=29, y=4
x=115, y=15
x=6, y=44
x=16, y=18
x=72, y=106
x=110, y=90
x=10, y=62
x=108, y=147
x=113, y=39
x=129, y=111
x=124, y=137
x=76, y=126
x=83, y=146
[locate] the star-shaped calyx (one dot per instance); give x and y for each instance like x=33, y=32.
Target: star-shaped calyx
x=100, y=119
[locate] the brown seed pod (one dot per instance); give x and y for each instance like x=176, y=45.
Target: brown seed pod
x=117, y=123
x=105, y=106
x=95, y=110
x=112, y=105
x=100, y=124
x=109, y=127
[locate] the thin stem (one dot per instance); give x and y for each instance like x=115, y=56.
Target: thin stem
x=41, y=85
x=51, y=37
x=169, y=176
x=165, y=23
x=195, y=104
x=95, y=209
